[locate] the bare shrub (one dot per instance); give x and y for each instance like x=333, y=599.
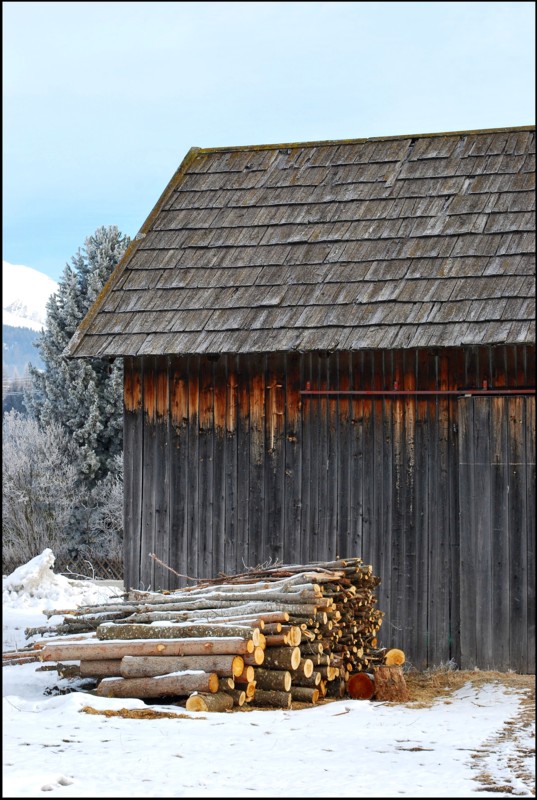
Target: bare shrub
x=39, y=487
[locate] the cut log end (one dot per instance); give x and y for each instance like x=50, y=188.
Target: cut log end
x=361, y=686
x=394, y=657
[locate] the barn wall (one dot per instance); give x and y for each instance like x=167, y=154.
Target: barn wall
x=228, y=466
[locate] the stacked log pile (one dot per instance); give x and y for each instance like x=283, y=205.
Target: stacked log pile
x=268, y=637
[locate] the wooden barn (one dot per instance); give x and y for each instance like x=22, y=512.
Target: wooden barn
x=329, y=350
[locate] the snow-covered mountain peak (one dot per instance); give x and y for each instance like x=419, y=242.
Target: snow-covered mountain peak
x=25, y=292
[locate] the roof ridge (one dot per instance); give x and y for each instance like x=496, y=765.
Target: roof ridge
x=336, y=142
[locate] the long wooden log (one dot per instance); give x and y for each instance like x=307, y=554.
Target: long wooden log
x=245, y=584
x=68, y=670
x=277, y=679
x=124, y=607
x=181, y=631
x=205, y=616
x=271, y=628
x=226, y=684
x=274, y=616
x=329, y=673
x=294, y=633
x=250, y=690
x=311, y=648
x=305, y=667
x=229, y=586
x=227, y=615
x=82, y=615
x=251, y=608
x=104, y=668
x=312, y=680
x=247, y=675
x=202, y=701
x=182, y=683
x=335, y=688
x=45, y=630
x=149, y=666
x=282, y=657
x=90, y=650
x=272, y=698
x=277, y=640
x=238, y=695
x=255, y=658
x=305, y=694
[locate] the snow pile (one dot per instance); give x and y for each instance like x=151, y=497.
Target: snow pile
x=36, y=581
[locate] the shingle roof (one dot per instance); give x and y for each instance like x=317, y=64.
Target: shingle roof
x=411, y=241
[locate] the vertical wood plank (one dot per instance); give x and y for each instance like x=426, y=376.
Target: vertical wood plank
x=367, y=459
x=529, y=404
x=427, y=562
x=308, y=457
x=332, y=460
x=384, y=433
x=193, y=492
x=133, y=425
x=180, y=469
x=468, y=552
x=161, y=477
x=320, y=465
x=393, y=576
x=517, y=520
x=205, y=470
x=274, y=461
x=147, y=565
x=292, y=521
x=440, y=516
x=448, y=371
x=343, y=459
x=499, y=487
x=500, y=375
x=356, y=459
x=483, y=525
x=256, y=498
x=232, y=477
x=220, y=456
x=471, y=368
x=243, y=465
x=411, y=476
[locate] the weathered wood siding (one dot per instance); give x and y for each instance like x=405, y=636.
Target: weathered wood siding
x=228, y=465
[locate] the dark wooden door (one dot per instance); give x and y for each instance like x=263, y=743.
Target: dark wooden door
x=497, y=532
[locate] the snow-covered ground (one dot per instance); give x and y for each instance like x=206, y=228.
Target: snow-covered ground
x=470, y=744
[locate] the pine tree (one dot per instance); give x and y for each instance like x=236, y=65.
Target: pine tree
x=82, y=395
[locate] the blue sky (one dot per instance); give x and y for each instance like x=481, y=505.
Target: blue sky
x=102, y=100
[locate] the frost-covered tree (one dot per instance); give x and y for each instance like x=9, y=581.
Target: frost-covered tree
x=40, y=488
x=105, y=528
x=84, y=396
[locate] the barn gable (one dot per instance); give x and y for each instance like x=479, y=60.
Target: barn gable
x=329, y=351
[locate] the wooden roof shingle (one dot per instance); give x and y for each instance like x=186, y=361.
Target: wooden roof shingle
x=425, y=240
